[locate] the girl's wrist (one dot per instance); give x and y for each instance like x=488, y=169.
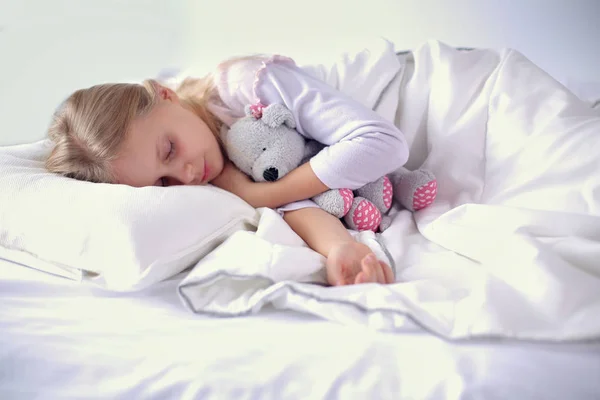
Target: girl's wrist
x=266, y=194
x=300, y=184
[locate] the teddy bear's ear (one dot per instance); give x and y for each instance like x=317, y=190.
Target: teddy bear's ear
x=276, y=114
x=254, y=110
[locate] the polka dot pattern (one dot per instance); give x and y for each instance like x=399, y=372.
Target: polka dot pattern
x=425, y=195
x=366, y=216
x=348, y=197
x=387, y=192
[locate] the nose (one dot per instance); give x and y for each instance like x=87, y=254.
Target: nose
x=187, y=174
x=271, y=174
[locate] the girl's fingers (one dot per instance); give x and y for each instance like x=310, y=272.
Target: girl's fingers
x=361, y=278
x=368, y=270
x=380, y=275
x=373, y=269
x=387, y=272
x=376, y=269
x=344, y=275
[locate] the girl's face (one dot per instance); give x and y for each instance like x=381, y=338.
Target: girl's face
x=169, y=146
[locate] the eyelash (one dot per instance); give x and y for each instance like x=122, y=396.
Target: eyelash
x=163, y=180
x=171, y=149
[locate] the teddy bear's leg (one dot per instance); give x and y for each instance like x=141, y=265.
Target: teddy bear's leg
x=379, y=193
x=363, y=215
x=336, y=202
x=414, y=190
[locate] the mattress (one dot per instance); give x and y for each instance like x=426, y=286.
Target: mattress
x=62, y=340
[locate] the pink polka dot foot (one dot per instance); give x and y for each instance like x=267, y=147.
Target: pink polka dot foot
x=425, y=195
x=388, y=192
x=366, y=216
x=348, y=197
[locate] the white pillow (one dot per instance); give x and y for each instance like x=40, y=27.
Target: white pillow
x=121, y=237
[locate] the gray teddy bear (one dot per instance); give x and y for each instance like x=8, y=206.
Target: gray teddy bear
x=266, y=146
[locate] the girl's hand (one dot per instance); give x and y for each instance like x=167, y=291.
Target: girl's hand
x=353, y=262
x=235, y=181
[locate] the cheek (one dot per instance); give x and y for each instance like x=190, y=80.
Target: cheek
x=213, y=146
x=193, y=144
x=204, y=139
x=134, y=172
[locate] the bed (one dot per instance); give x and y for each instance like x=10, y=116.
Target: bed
x=497, y=293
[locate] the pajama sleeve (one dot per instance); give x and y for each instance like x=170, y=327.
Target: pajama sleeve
x=361, y=145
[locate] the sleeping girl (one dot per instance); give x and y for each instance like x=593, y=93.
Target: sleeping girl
x=151, y=135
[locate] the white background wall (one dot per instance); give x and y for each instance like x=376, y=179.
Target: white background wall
x=48, y=48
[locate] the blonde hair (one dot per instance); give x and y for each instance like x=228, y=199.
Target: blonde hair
x=89, y=128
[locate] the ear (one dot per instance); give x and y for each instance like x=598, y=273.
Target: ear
x=277, y=114
x=163, y=92
x=166, y=93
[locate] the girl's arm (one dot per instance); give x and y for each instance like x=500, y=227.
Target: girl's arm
x=299, y=184
x=347, y=260
x=360, y=145
x=320, y=230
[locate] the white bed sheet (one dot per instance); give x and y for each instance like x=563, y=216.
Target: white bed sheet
x=63, y=340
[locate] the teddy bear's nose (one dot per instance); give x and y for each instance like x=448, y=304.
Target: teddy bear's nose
x=271, y=174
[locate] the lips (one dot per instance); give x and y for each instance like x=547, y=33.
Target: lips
x=206, y=173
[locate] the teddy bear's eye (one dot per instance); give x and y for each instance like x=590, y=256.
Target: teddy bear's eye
x=264, y=149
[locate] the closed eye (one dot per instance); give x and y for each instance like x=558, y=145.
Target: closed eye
x=171, y=150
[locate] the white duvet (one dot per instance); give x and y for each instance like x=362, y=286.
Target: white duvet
x=62, y=340
x=511, y=247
